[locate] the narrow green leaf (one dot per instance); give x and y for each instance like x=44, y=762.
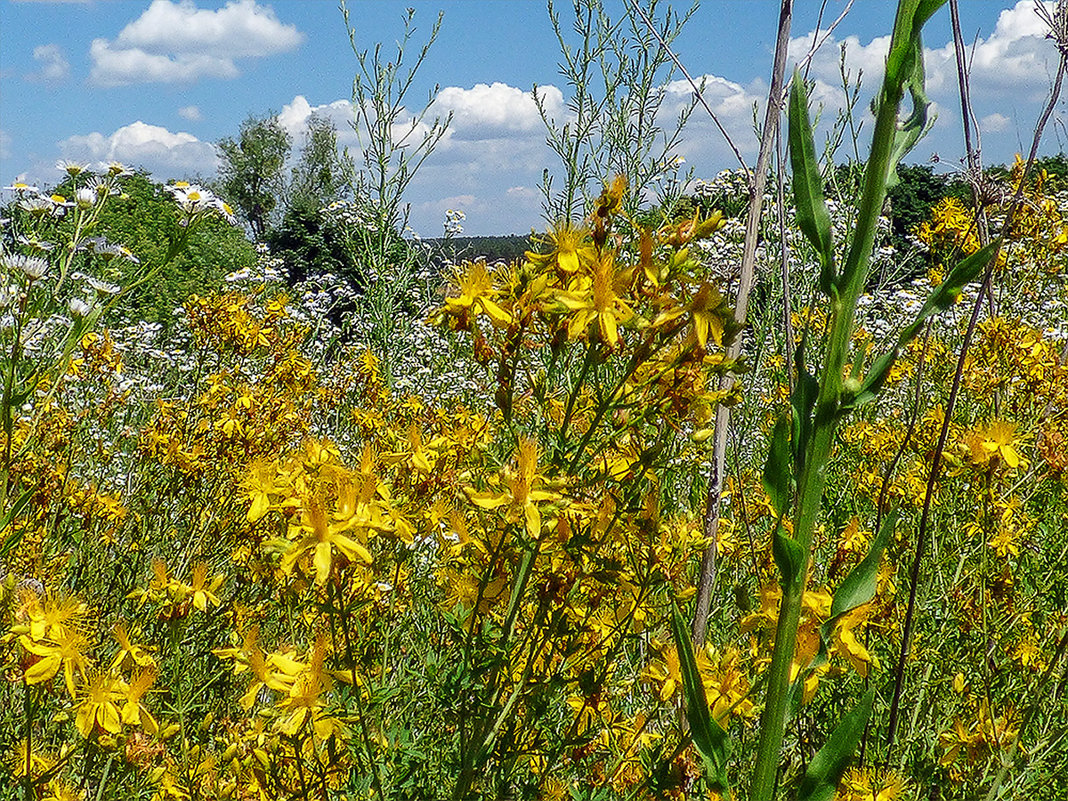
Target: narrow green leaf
x=859, y=586
x=826, y=768
x=777, y=478
x=709, y=737
x=946, y=293
x=812, y=216
x=14, y=537
x=788, y=554
x=944, y=296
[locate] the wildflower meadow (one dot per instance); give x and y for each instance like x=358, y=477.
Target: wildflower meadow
x=746, y=487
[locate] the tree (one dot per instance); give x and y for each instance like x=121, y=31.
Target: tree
x=322, y=175
x=251, y=174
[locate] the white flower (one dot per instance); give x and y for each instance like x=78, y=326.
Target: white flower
x=36, y=206
x=33, y=267
x=117, y=169
x=102, y=288
x=72, y=168
x=85, y=198
x=22, y=188
x=41, y=245
x=8, y=295
x=78, y=308
x=109, y=251
x=225, y=210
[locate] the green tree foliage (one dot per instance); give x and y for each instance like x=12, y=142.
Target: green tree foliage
x=251, y=174
x=918, y=189
x=309, y=244
x=143, y=220
x=322, y=174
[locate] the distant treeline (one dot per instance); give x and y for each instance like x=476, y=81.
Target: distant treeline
x=491, y=248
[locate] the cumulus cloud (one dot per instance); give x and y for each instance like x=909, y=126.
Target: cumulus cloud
x=114, y=66
x=54, y=66
x=994, y=123
x=294, y=118
x=1015, y=59
x=150, y=147
x=173, y=42
x=495, y=109
x=191, y=113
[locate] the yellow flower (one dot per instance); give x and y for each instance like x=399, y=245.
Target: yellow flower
x=523, y=489
x=870, y=784
x=99, y=710
x=847, y=645
x=68, y=652
x=594, y=300
x=321, y=539
x=129, y=654
x=134, y=712
x=572, y=249
x=476, y=294
x=995, y=441
x=60, y=791
x=665, y=673
x=202, y=595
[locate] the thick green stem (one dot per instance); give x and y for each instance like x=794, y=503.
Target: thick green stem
x=818, y=448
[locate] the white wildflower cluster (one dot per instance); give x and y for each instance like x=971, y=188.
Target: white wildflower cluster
x=454, y=219
x=726, y=183
x=351, y=215
x=195, y=201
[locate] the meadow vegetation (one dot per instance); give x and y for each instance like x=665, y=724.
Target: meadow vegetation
x=317, y=519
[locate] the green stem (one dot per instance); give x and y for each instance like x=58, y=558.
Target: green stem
x=813, y=468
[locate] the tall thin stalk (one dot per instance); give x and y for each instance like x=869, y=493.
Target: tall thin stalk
x=923, y=532
x=758, y=179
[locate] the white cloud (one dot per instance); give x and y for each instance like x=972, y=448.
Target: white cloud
x=523, y=192
x=241, y=28
x=994, y=123
x=1015, y=59
x=178, y=42
x=499, y=109
x=5, y=144
x=294, y=118
x=54, y=67
x=113, y=66
x=191, y=113
x=151, y=147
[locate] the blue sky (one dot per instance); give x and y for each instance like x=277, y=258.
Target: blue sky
x=155, y=84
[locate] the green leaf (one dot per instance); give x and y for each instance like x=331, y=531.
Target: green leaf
x=826, y=768
x=904, y=69
x=708, y=736
x=944, y=296
x=778, y=480
x=14, y=537
x=789, y=556
x=812, y=216
x=859, y=586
